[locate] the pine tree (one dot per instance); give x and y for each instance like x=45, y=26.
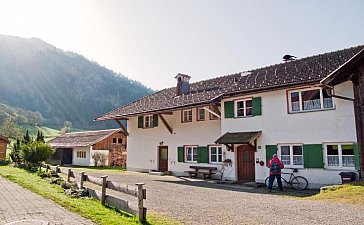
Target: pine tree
x=26, y=138
x=40, y=137
x=15, y=152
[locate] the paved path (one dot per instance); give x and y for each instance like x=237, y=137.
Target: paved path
x=17, y=203
x=199, y=202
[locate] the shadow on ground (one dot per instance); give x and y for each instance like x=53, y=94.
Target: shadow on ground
x=241, y=188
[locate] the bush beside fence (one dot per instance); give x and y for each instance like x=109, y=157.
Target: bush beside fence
x=80, y=177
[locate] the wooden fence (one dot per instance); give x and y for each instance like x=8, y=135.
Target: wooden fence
x=81, y=177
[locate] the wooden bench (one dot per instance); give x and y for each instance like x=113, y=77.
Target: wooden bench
x=205, y=171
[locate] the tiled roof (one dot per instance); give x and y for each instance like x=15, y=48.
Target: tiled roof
x=81, y=139
x=303, y=71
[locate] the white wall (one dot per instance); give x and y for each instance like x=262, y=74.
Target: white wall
x=278, y=126
x=143, y=143
x=81, y=161
x=93, y=151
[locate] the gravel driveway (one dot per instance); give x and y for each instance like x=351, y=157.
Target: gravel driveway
x=192, y=201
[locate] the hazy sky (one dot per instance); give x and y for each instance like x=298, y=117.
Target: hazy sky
x=151, y=41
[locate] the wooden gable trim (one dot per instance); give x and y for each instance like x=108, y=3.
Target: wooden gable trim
x=122, y=127
x=165, y=123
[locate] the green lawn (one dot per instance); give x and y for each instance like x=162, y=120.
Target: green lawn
x=349, y=193
x=88, y=208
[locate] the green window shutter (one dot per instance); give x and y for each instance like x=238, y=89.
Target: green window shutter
x=140, y=121
x=155, y=120
x=202, y=154
x=181, y=154
x=257, y=106
x=270, y=150
x=313, y=156
x=229, y=109
x=356, y=156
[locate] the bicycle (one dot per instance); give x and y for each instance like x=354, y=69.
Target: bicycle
x=297, y=182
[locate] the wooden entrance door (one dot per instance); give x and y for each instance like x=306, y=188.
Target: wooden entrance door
x=163, y=158
x=246, y=163
x=67, y=156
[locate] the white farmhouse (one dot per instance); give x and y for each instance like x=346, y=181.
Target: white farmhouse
x=247, y=117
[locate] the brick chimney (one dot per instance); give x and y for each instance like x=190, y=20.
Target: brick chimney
x=183, y=84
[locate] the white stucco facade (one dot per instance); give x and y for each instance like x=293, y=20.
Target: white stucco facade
x=278, y=126
x=80, y=161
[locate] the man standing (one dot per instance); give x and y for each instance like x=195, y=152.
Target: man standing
x=275, y=166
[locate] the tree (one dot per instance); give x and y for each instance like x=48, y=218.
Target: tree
x=35, y=153
x=15, y=152
x=26, y=138
x=10, y=129
x=67, y=127
x=40, y=137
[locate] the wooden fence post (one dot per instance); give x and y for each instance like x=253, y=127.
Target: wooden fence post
x=142, y=212
x=47, y=167
x=57, y=170
x=69, y=175
x=103, y=190
x=82, y=174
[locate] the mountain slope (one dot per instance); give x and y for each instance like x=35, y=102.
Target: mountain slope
x=62, y=86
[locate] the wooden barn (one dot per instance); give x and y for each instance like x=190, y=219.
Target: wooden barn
x=80, y=148
x=4, y=141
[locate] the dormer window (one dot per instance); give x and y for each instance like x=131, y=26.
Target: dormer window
x=310, y=100
x=186, y=115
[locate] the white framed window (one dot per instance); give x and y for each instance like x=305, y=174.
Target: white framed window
x=186, y=115
x=215, y=154
x=291, y=155
x=310, y=100
x=148, y=121
x=81, y=154
x=243, y=107
x=191, y=153
x=339, y=155
x=200, y=114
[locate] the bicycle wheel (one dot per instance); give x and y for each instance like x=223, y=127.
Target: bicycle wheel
x=299, y=183
x=275, y=184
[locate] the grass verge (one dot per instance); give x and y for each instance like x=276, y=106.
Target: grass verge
x=98, y=169
x=348, y=193
x=88, y=208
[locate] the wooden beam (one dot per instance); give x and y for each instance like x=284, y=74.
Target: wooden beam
x=165, y=123
x=343, y=97
x=122, y=127
x=212, y=112
x=167, y=113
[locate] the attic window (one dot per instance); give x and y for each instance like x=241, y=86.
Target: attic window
x=186, y=115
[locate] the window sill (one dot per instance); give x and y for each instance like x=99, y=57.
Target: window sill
x=215, y=163
x=241, y=117
x=313, y=110
x=341, y=168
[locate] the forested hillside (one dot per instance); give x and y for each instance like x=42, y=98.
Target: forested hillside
x=60, y=86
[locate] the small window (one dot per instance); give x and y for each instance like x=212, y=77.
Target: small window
x=191, y=153
x=243, y=108
x=291, y=155
x=148, y=121
x=114, y=140
x=340, y=155
x=215, y=154
x=200, y=114
x=120, y=140
x=310, y=100
x=81, y=154
x=186, y=115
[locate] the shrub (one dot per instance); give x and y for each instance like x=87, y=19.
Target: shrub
x=34, y=153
